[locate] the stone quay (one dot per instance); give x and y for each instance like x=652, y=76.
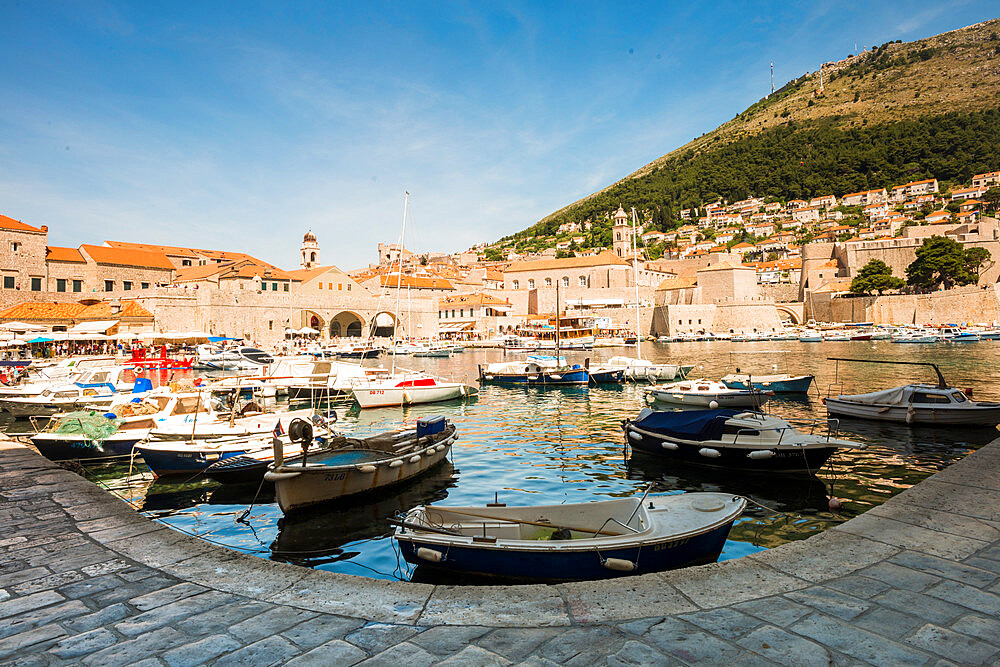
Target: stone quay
x=84, y=579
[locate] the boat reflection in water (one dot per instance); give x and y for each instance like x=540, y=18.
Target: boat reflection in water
x=315, y=536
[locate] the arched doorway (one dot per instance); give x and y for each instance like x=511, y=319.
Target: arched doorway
x=383, y=325
x=346, y=324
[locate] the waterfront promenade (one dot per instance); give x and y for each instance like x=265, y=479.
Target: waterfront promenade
x=85, y=579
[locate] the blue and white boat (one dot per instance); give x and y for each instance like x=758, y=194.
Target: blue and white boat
x=580, y=541
x=731, y=439
x=190, y=457
x=781, y=383
x=536, y=370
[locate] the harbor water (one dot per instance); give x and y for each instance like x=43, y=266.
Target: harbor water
x=550, y=446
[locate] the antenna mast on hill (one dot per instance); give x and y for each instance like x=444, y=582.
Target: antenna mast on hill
x=772, y=77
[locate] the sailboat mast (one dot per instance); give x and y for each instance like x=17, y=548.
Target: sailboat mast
x=399, y=281
x=557, y=322
x=635, y=279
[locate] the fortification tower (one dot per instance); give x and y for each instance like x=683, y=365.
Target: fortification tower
x=309, y=251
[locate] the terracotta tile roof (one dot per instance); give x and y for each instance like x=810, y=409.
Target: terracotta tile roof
x=603, y=259
x=240, y=269
x=11, y=223
x=60, y=254
x=724, y=265
x=73, y=311
x=178, y=251
x=305, y=275
x=128, y=257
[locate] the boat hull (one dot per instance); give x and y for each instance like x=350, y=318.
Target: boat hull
x=64, y=448
x=740, y=400
x=798, y=459
x=668, y=554
x=393, y=396
x=540, y=378
x=606, y=377
x=797, y=385
x=988, y=416
x=183, y=461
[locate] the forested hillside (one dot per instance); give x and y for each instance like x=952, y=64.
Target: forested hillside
x=899, y=112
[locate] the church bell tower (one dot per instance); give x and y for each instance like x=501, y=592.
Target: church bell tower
x=309, y=251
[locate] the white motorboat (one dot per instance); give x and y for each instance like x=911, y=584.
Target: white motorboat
x=408, y=389
x=940, y=404
x=731, y=439
x=433, y=350
x=811, y=337
x=218, y=358
x=34, y=380
x=637, y=369
x=95, y=388
x=921, y=336
x=707, y=393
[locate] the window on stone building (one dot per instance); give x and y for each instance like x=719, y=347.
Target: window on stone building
x=531, y=284
x=185, y=262
x=144, y=285
x=109, y=285
x=453, y=312
x=565, y=281
x=461, y=312
x=274, y=287
x=60, y=284
x=340, y=287
x=689, y=322
x=270, y=325
x=439, y=314
x=8, y=282
x=348, y=287
x=514, y=284
x=127, y=285
x=77, y=285
x=548, y=282
x=14, y=246
x=321, y=285
x=286, y=286
x=263, y=287
x=36, y=284
x=583, y=281
x=699, y=320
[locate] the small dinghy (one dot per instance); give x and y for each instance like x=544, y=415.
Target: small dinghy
x=731, y=439
x=571, y=542
x=360, y=466
x=707, y=393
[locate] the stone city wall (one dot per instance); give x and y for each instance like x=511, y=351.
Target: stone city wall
x=965, y=304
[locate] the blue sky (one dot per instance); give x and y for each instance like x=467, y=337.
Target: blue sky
x=241, y=125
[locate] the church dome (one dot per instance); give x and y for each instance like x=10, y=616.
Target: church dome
x=309, y=237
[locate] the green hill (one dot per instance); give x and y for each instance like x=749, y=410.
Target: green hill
x=899, y=112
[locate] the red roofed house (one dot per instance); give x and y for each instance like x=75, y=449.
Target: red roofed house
x=22, y=258
x=986, y=180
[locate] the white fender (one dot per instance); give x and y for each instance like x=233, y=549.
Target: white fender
x=635, y=436
x=396, y=463
x=406, y=398
x=619, y=564
x=432, y=555
x=366, y=468
x=415, y=458
x=761, y=454
x=709, y=452
x=272, y=476
x=672, y=446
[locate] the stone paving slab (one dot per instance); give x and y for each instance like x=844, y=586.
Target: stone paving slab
x=86, y=580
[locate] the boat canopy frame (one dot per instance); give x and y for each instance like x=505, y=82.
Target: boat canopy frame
x=941, y=382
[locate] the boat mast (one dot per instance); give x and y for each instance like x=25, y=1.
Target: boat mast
x=557, y=322
x=635, y=279
x=399, y=282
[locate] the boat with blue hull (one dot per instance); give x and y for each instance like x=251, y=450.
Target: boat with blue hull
x=780, y=384
x=571, y=542
x=533, y=373
x=736, y=440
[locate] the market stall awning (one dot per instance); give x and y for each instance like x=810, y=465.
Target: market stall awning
x=21, y=326
x=97, y=326
x=455, y=326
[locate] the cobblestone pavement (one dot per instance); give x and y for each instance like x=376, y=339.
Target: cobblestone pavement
x=84, y=579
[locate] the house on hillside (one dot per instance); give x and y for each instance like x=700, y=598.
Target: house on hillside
x=968, y=193
x=987, y=180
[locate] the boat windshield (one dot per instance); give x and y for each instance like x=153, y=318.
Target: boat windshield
x=925, y=397
x=958, y=397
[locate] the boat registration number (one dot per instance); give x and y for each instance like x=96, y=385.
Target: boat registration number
x=334, y=476
x=376, y=392
x=670, y=545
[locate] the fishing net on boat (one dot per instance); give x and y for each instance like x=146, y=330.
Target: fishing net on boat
x=135, y=409
x=92, y=425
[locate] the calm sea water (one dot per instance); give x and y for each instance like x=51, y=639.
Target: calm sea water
x=535, y=446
